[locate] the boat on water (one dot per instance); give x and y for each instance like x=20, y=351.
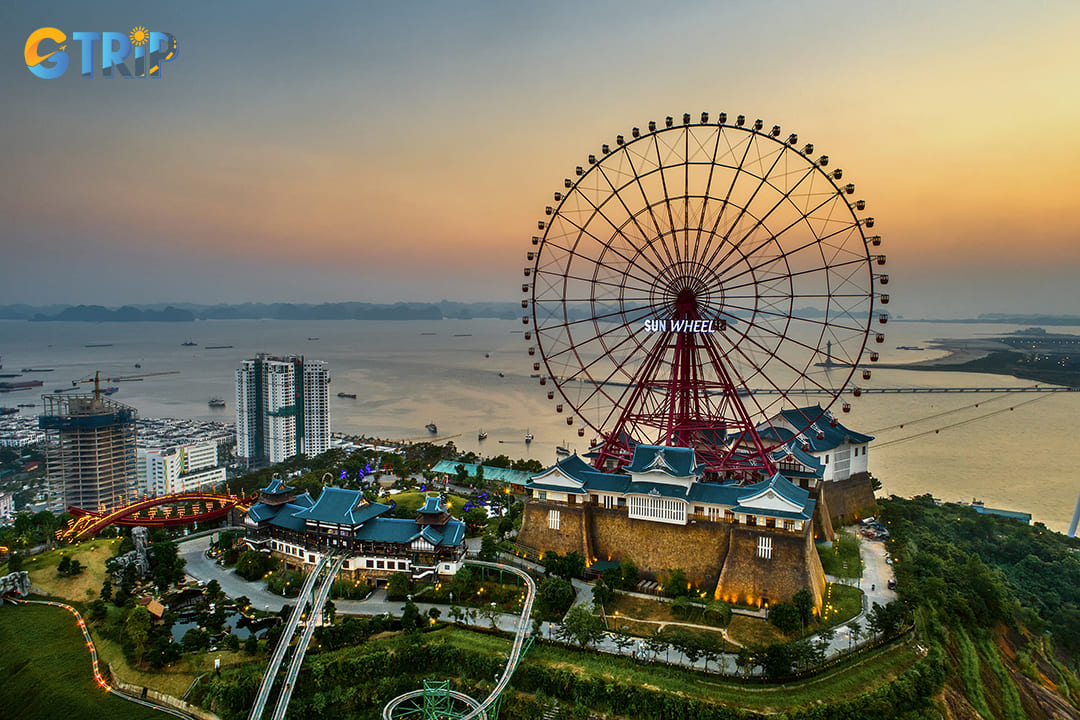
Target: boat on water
x=528, y=437
x=8, y=411
x=98, y=345
x=347, y=395
x=218, y=347
x=138, y=365
x=216, y=402
x=502, y=375
x=562, y=450
x=20, y=384
x=26, y=405
x=432, y=427
x=190, y=344
x=481, y=435
x=109, y=390
x=313, y=339
x=37, y=369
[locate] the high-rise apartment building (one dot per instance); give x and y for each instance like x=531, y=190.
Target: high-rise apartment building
x=182, y=468
x=89, y=451
x=282, y=408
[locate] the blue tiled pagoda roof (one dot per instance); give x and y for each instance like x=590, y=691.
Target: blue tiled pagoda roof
x=433, y=505
x=343, y=507
x=831, y=437
x=277, y=486
x=675, y=461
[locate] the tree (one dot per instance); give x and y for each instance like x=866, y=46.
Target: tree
x=398, y=587
x=64, y=566
x=166, y=565
x=854, y=630
x=106, y=590
x=676, y=584
x=581, y=626
x=489, y=547
x=232, y=641
x=491, y=612
x=434, y=613
x=680, y=607
x=630, y=573
x=251, y=645
x=15, y=562
x=98, y=611
x=554, y=597
x=456, y=614
x=195, y=639
x=252, y=565
x=410, y=617
x=776, y=660
x=602, y=594
x=137, y=630
x=623, y=641
x=803, y=601
x=213, y=591
x=656, y=642
x=718, y=612
x=785, y=616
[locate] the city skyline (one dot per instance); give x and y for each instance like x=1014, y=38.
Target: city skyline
x=379, y=154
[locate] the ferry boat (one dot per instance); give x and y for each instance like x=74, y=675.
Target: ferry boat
x=528, y=437
x=216, y=402
x=432, y=427
x=562, y=450
x=481, y=435
x=189, y=344
x=347, y=395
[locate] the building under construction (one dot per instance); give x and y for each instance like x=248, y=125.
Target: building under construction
x=90, y=450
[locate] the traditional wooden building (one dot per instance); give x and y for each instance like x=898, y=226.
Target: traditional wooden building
x=299, y=530
x=749, y=544
x=844, y=490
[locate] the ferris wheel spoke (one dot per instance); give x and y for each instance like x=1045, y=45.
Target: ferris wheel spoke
x=760, y=221
x=616, y=192
x=814, y=243
x=707, y=193
x=726, y=203
x=798, y=371
x=794, y=274
x=798, y=318
x=647, y=282
x=648, y=205
x=762, y=182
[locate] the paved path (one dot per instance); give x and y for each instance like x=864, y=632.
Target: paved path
x=877, y=573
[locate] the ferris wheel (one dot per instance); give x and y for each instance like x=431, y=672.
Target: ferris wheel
x=695, y=279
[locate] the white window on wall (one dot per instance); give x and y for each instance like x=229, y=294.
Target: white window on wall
x=764, y=548
x=554, y=519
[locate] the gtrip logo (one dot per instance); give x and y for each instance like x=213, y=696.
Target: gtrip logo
x=148, y=51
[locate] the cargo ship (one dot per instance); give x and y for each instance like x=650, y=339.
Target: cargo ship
x=347, y=395
x=216, y=402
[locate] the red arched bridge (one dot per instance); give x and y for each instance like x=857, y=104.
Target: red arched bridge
x=159, y=511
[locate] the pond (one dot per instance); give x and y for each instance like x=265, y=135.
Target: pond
x=234, y=622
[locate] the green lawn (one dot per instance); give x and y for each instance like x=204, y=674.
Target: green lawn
x=842, y=682
x=46, y=670
x=842, y=558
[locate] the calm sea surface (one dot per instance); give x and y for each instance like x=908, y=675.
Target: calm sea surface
x=404, y=377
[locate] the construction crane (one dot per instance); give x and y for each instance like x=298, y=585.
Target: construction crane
x=121, y=378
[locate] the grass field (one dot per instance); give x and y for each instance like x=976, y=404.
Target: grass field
x=47, y=673
x=413, y=500
x=174, y=680
x=841, y=559
x=81, y=588
x=848, y=680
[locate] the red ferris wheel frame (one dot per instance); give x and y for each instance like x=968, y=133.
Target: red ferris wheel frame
x=663, y=290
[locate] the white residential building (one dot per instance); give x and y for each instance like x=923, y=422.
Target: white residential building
x=182, y=468
x=282, y=408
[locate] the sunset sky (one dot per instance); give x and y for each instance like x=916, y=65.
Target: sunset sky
x=404, y=151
